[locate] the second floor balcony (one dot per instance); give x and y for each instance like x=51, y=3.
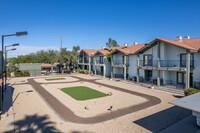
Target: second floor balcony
x=83, y=61
x=120, y=62
x=99, y=62
x=166, y=63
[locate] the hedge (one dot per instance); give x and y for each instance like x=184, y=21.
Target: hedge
x=190, y=91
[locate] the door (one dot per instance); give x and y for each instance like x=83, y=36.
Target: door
x=191, y=80
x=180, y=78
x=148, y=75
x=101, y=69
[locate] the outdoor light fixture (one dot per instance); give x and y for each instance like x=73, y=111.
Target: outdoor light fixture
x=23, y=33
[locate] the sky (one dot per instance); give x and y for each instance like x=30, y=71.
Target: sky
x=89, y=23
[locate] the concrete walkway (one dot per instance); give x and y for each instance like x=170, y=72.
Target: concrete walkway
x=187, y=125
x=67, y=115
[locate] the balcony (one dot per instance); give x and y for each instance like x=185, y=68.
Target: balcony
x=166, y=63
x=81, y=61
x=99, y=62
x=120, y=62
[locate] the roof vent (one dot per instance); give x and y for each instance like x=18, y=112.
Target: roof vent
x=179, y=37
x=135, y=43
x=187, y=37
x=126, y=44
x=103, y=47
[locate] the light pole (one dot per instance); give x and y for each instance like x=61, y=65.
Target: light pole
x=6, y=60
x=2, y=67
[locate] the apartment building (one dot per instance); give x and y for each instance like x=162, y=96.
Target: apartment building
x=170, y=62
x=123, y=61
x=86, y=61
x=162, y=62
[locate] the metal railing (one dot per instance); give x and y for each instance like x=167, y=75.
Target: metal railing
x=99, y=62
x=166, y=63
x=120, y=62
x=85, y=61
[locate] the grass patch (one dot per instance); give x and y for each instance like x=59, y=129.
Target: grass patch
x=83, y=93
x=55, y=79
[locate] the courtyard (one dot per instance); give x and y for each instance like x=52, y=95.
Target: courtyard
x=78, y=103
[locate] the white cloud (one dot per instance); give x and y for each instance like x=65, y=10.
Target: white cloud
x=23, y=50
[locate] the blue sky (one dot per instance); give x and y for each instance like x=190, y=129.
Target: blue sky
x=89, y=23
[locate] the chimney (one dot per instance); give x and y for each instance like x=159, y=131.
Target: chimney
x=103, y=47
x=186, y=37
x=126, y=44
x=135, y=43
x=179, y=37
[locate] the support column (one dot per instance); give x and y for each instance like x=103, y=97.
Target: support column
x=89, y=64
x=124, y=67
x=187, y=84
x=104, y=66
x=111, y=74
x=158, y=65
x=138, y=70
x=95, y=68
x=83, y=61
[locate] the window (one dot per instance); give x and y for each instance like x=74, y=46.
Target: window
x=147, y=60
x=183, y=60
x=101, y=59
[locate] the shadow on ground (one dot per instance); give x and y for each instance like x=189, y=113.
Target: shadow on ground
x=33, y=124
x=163, y=119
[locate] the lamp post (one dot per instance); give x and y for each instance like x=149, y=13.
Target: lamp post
x=2, y=66
x=6, y=60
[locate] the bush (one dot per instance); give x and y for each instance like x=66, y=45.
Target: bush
x=8, y=74
x=86, y=72
x=26, y=73
x=190, y=91
x=18, y=73
x=76, y=70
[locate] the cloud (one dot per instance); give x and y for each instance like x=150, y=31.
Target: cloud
x=23, y=50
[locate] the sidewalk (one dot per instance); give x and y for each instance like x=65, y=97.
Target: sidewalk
x=7, y=119
x=187, y=125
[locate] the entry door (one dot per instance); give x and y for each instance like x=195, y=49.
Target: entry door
x=191, y=79
x=180, y=78
x=148, y=75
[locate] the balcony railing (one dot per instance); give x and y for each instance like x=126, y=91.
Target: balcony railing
x=81, y=61
x=120, y=62
x=99, y=62
x=166, y=63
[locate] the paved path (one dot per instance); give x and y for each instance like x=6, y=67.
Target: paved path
x=67, y=115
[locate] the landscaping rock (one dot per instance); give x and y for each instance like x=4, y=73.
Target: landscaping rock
x=109, y=94
x=82, y=82
x=86, y=108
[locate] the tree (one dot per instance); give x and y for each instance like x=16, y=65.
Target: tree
x=111, y=43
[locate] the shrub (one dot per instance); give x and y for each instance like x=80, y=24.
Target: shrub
x=190, y=91
x=8, y=74
x=86, y=72
x=26, y=73
x=18, y=73
x=77, y=70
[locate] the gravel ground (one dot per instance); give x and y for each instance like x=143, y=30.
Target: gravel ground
x=32, y=114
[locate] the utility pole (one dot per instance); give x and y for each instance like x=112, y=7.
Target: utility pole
x=61, y=42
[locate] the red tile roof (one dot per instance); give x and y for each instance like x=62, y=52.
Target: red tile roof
x=192, y=44
x=46, y=65
x=89, y=52
x=108, y=50
x=132, y=49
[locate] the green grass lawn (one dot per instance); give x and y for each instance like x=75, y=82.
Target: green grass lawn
x=83, y=93
x=55, y=79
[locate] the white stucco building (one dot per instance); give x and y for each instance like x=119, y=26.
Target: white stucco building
x=170, y=62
